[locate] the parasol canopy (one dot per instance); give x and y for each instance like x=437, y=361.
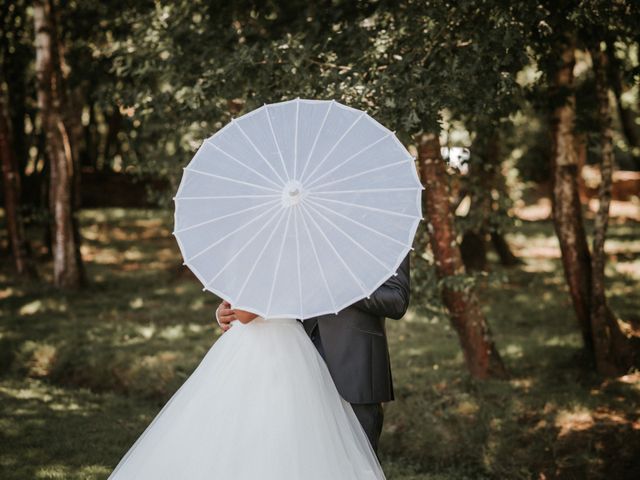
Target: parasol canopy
x=297, y=209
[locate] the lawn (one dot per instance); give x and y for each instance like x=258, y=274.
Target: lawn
x=82, y=374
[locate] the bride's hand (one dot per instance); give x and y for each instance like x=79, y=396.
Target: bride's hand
x=225, y=315
x=244, y=316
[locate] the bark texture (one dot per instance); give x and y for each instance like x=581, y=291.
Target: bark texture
x=567, y=212
x=614, y=352
x=481, y=356
x=67, y=265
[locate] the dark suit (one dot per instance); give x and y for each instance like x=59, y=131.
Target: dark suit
x=354, y=346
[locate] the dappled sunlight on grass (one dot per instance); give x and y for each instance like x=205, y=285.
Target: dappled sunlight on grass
x=576, y=419
x=570, y=340
x=512, y=351
x=443, y=420
x=43, y=306
x=631, y=269
x=84, y=373
x=139, y=241
x=51, y=432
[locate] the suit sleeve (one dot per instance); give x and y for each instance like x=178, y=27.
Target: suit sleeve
x=391, y=299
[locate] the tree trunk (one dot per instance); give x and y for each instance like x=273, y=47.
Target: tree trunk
x=567, y=212
x=613, y=351
x=473, y=249
x=92, y=137
x=496, y=180
x=67, y=266
x=580, y=145
x=12, y=193
x=111, y=147
x=15, y=65
x=474, y=241
x=486, y=180
x=503, y=249
x=481, y=356
x=627, y=116
x=73, y=118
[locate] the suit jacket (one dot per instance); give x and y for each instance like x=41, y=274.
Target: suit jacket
x=355, y=341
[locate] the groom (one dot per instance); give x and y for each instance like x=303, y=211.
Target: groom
x=354, y=346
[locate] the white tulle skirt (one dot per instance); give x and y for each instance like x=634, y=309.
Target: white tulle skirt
x=261, y=405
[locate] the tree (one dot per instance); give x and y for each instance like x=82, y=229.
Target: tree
x=569, y=26
x=68, y=269
x=614, y=352
x=19, y=244
x=616, y=79
x=567, y=213
x=405, y=65
x=428, y=61
x=487, y=219
x=481, y=355
x=12, y=144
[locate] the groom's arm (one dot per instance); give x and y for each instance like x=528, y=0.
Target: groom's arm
x=391, y=299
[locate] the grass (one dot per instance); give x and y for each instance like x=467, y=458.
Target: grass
x=82, y=374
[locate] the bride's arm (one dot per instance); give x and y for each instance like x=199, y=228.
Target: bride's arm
x=244, y=316
x=391, y=299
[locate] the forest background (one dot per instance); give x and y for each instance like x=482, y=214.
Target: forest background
x=519, y=355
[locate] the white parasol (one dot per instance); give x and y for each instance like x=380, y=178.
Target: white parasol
x=297, y=209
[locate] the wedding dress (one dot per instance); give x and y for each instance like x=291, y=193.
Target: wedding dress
x=261, y=405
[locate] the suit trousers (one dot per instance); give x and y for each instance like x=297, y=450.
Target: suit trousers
x=370, y=415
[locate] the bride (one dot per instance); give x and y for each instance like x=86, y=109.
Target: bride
x=260, y=405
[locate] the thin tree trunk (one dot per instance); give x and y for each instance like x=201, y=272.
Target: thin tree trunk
x=15, y=64
x=567, y=212
x=580, y=145
x=495, y=179
x=481, y=356
x=487, y=179
x=44, y=202
x=19, y=245
x=613, y=351
x=16, y=106
x=627, y=116
x=503, y=249
x=67, y=267
x=92, y=137
x=473, y=249
x=111, y=147
x=72, y=119
x=473, y=246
